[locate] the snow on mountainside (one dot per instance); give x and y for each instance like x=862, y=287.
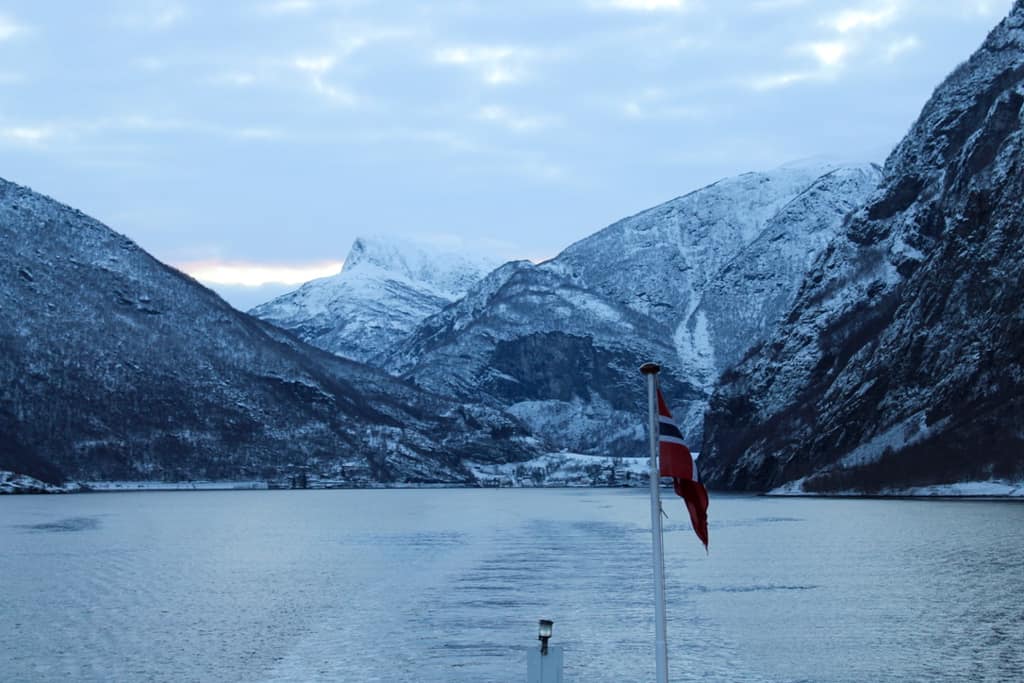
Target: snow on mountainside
x=553, y=354
x=901, y=363
x=384, y=290
x=692, y=283
x=11, y=482
x=746, y=297
x=116, y=366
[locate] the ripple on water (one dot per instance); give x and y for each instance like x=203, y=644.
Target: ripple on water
x=759, y=588
x=64, y=525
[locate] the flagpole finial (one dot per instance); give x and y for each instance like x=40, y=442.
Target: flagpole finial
x=650, y=368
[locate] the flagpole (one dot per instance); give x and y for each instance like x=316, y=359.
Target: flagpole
x=650, y=371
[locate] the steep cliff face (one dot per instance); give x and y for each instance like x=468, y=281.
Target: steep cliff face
x=115, y=366
x=385, y=289
x=902, y=361
x=691, y=283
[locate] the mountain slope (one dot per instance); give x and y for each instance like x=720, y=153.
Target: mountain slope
x=559, y=344
x=383, y=291
x=113, y=365
x=902, y=361
x=559, y=357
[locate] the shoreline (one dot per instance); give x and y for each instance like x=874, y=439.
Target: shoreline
x=251, y=485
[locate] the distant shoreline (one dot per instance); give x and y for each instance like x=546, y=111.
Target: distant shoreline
x=977, y=497
x=41, y=488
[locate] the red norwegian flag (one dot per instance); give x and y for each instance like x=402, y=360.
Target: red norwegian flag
x=677, y=462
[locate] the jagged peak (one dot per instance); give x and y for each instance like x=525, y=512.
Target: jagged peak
x=445, y=270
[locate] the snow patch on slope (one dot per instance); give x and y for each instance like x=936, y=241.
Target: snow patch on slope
x=577, y=420
x=902, y=434
x=11, y=482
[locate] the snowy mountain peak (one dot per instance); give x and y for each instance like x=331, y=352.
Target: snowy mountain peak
x=446, y=272
x=385, y=289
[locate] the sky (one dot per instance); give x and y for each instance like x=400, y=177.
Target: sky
x=249, y=143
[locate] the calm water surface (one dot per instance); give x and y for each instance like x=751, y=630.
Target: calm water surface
x=447, y=585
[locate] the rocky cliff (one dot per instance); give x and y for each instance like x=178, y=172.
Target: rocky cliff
x=901, y=362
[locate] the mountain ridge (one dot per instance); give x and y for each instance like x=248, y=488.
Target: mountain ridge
x=901, y=357
x=114, y=365
x=616, y=298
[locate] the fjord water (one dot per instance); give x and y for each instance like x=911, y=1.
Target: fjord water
x=447, y=585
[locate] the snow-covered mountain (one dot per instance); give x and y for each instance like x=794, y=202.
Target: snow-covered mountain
x=116, y=366
x=692, y=283
x=901, y=363
x=385, y=289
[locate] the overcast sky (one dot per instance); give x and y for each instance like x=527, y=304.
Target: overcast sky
x=251, y=142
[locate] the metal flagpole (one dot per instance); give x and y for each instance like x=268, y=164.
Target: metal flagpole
x=650, y=371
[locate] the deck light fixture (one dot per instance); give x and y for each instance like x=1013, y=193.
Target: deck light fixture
x=544, y=632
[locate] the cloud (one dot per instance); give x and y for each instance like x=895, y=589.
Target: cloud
x=451, y=140
x=344, y=45
x=830, y=57
x=495, y=65
x=351, y=39
x=147, y=123
x=984, y=8
x=854, y=19
x=34, y=134
x=152, y=64
x=317, y=66
x=9, y=28
x=336, y=94
x=784, y=79
x=635, y=109
x=775, y=5
x=168, y=16
x=518, y=123
x=237, y=79
x=781, y=80
x=467, y=245
x=170, y=125
x=656, y=103
x=828, y=53
x=289, y=7
x=27, y=134
x=157, y=15
x=901, y=46
x=832, y=54
x=848, y=28
x=258, y=134
x=641, y=5
x=258, y=274
x=317, y=69
x=544, y=171
x=72, y=131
